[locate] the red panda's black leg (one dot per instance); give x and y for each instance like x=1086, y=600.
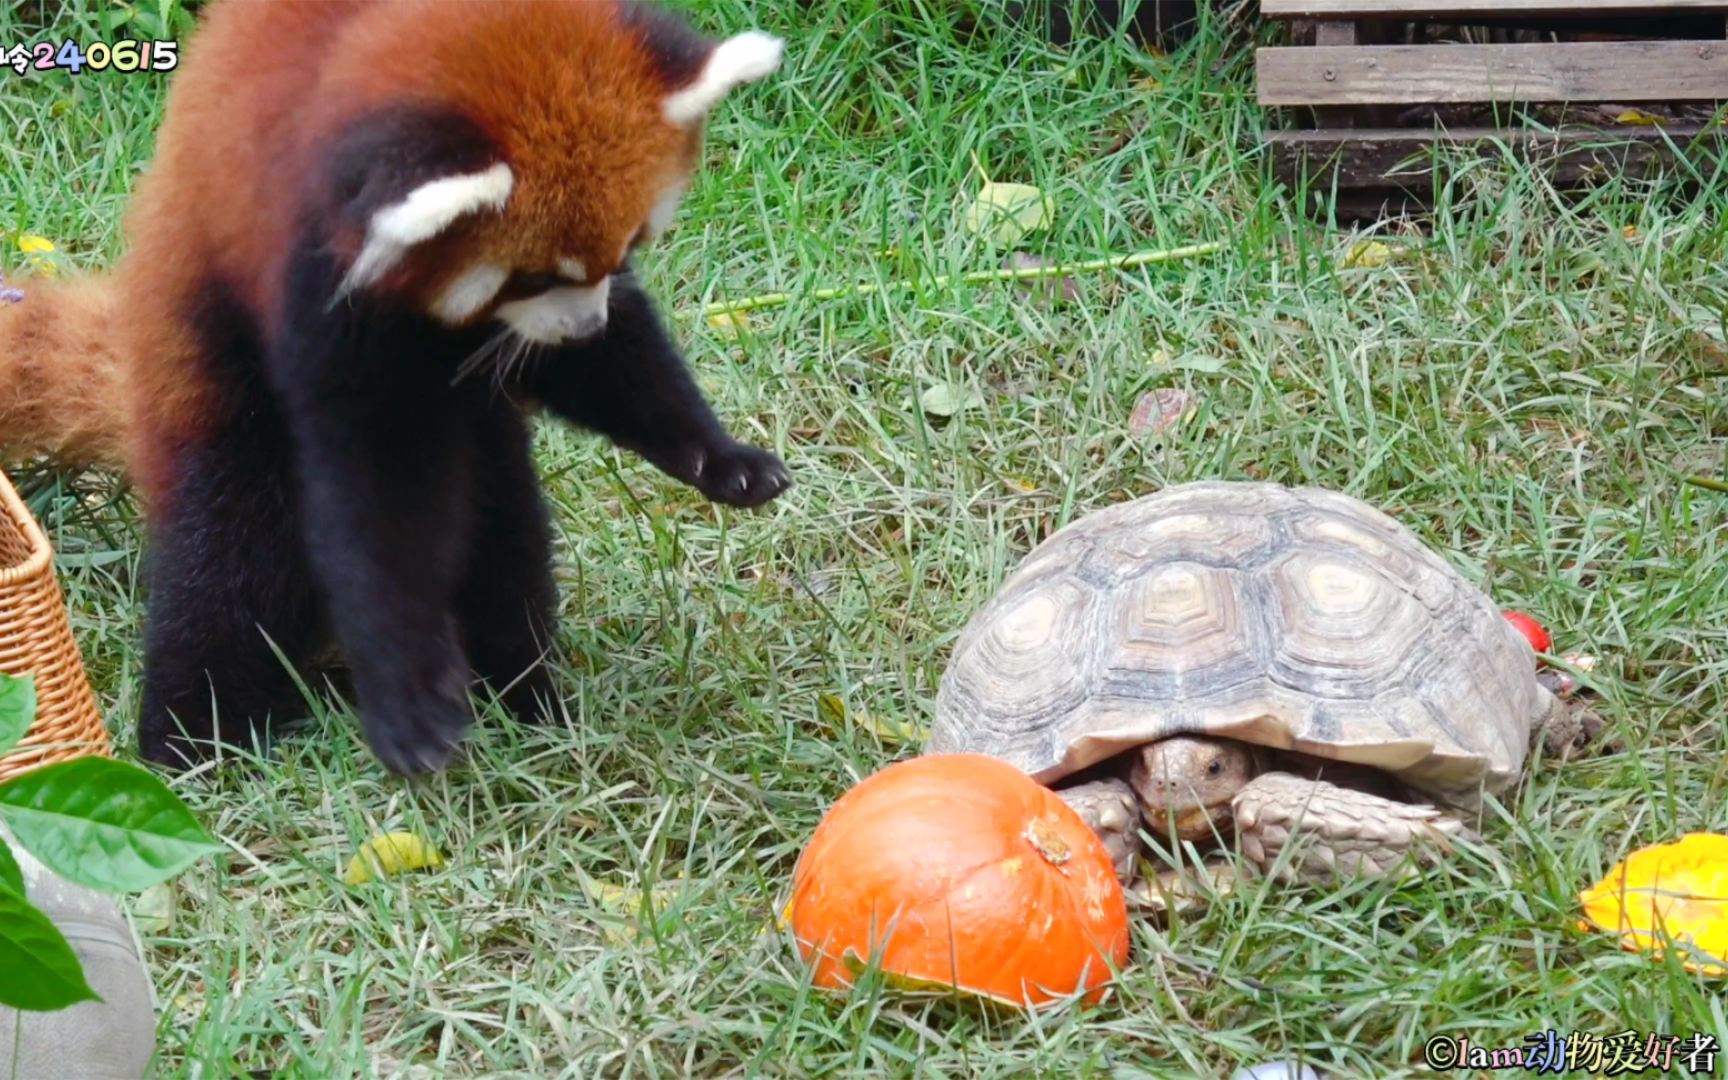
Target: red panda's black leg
x=631, y=385
x=227, y=580
x=385, y=461
x=507, y=603
x=228, y=577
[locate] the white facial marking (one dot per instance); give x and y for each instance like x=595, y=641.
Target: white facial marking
x=574, y=269
x=737, y=60
x=561, y=315
x=427, y=211
x=661, y=216
x=463, y=298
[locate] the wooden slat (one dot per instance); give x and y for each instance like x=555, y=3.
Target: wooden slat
x=1408, y=9
x=1400, y=158
x=1452, y=74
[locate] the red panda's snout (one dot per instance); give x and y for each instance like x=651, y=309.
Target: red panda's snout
x=564, y=313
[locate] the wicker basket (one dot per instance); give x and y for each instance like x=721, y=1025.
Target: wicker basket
x=36, y=639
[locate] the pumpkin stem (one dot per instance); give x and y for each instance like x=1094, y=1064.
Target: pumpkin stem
x=1048, y=842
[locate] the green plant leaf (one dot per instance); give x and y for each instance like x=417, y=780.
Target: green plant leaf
x=1007, y=212
x=38, y=969
x=17, y=710
x=103, y=824
x=11, y=874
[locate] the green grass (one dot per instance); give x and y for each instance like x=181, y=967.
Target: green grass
x=1524, y=386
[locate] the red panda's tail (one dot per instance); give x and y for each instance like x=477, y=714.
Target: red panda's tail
x=62, y=384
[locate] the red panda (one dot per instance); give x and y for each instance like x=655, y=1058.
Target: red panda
x=374, y=233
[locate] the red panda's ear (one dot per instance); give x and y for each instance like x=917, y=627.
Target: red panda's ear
x=401, y=176
x=738, y=60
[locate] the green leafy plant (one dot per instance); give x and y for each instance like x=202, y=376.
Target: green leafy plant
x=100, y=823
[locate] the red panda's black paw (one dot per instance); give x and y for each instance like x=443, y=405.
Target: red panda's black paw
x=739, y=475
x=418, y=731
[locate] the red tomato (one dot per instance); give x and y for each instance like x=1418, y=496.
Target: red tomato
x=1531, y=629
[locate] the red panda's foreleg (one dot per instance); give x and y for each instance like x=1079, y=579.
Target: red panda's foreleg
x=631, y=385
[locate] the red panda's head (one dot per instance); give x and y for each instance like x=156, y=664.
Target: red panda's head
x=502, y=158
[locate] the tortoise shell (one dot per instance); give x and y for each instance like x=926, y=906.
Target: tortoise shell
x=1298, y=619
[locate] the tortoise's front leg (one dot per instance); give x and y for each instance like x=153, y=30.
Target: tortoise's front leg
x=1340, y=833
x=1112, y=810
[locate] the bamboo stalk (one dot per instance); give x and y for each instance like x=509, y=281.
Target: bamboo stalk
x=1115, y=262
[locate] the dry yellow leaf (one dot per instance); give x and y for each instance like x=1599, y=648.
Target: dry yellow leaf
x=1368, y=253
x=834, y=714
x=729, y=322
x=1630, y=232
x=391, y=853
x=33, y=245
x=1633, y=116
x=1676, y=893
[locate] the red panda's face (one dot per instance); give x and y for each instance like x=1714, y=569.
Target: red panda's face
x=594, y=122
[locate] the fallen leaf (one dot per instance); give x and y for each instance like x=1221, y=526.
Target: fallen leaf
x=1020, y=484
x=946, y=399
x=1047, y=289
x=33, y=245
x=1635, y=116
x=1631, y=232
x=391, y=853
x=1367, y=253
x=1158, y=411
x=153, y=910
x=1199, y=362
x=834, y=713
x=831, y=711
x=1148, y=85
x=1006, y=212
x=1668, y=894
x=730, y=323
x=622, y=906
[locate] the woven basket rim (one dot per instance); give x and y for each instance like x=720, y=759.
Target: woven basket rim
x=19, y=516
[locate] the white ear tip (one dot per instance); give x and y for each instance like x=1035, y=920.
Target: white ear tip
x=739, y=59
x=753, y=55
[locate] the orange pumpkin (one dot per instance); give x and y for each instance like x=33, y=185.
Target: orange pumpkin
x=959, y=871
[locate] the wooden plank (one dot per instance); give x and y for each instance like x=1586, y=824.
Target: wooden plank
x=1403, y=159
x=1409, y=9
x=1579, y=71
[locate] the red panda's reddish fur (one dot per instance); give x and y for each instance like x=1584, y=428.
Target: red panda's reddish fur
x=100, y=372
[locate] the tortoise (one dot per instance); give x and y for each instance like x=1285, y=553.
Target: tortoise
x=1283, y=662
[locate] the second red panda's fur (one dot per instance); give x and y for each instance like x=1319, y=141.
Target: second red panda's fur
x=235, y=372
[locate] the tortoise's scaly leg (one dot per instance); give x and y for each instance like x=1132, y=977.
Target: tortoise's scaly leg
x=1338, y=833
x=1112, y=810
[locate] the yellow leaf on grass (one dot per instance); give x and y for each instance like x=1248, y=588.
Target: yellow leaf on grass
x=621, y=906
x=729, y=322
x=1006, y=212
x=32, y=245
x=1369, y=253
x=1642, y=119
x=391, y=853
x=1669, y=893
x=835, y=715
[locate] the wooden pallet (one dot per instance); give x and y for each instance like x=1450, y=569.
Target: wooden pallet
x=1370, y=104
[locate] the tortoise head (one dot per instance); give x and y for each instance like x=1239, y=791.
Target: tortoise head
x=1190, y=779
